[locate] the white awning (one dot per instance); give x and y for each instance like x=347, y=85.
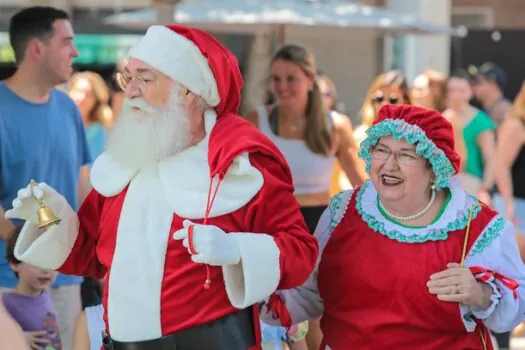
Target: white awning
x=252, y=16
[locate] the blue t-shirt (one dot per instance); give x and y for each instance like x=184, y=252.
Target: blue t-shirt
x=41, y=141
x=96, y=139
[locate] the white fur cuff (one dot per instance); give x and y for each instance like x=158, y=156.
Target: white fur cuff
x=258, y=274
x=50, y=249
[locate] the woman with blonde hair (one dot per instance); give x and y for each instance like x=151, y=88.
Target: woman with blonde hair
x=429, y=90
x=387, y=88
x=309, y=135
x=91, y=94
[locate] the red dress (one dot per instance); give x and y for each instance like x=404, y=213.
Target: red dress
x=375, y=294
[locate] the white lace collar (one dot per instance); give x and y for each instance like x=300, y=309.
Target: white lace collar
x=454, y=217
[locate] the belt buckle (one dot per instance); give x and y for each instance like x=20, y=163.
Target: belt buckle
x=107, y=343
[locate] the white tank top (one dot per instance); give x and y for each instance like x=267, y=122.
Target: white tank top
x=311, y=172
x=95, y=324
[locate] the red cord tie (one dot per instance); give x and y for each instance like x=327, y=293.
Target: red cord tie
x=191, y=247
x=483, y=275
x=209, y=203
x=278, y=309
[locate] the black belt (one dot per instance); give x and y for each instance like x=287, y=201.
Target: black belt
x=232, y=332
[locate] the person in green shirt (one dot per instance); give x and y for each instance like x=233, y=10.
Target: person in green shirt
x=479, y=136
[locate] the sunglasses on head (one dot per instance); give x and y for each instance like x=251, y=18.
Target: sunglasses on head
x=380, y=99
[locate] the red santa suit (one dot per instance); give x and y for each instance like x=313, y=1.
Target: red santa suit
x=123, y=230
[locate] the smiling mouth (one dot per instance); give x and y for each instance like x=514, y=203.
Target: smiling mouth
x=389, y=180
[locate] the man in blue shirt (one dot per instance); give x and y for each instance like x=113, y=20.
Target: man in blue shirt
x=41, y=134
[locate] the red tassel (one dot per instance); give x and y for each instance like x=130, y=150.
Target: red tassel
x=209, y=203
x=485, y=275
x=278, y=309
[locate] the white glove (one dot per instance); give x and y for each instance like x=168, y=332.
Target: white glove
x=25, y=205
x=212, y=245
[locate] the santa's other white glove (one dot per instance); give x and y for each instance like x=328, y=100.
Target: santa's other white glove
x=211, y=245
x=25, y=205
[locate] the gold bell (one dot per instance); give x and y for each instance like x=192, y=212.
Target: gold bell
x=46, y=216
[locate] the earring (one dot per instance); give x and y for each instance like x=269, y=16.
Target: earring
x=433, y=187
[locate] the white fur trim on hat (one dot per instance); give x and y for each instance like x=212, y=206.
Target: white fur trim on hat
x=180, y=59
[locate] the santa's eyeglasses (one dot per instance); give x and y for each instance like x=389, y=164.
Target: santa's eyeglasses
x=124, y=81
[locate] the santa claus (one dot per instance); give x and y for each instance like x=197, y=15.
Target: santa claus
x=192, y=218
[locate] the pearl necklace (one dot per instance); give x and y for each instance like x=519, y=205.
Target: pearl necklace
x=410, y=217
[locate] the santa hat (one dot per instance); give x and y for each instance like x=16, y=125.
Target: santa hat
x=427, y=129
x=196, y=60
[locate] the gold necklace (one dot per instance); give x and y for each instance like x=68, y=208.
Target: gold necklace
x=294, y=126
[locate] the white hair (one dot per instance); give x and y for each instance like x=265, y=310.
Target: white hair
x=144, y=134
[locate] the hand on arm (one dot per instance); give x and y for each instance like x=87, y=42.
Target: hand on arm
x=457, y=284
x=36, y=340
x=497, y=266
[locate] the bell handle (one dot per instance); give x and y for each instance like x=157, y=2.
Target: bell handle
x=33, y=183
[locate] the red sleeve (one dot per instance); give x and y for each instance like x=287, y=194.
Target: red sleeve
x=82, y=260
x=275, y=211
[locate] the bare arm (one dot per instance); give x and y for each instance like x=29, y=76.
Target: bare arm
x=252, y=117
x=6, y=226
x=487, y=143
x=347, y=149
x=459, y=142
x=461, y=149
x=81, y=335
x=84, y=185
x=510, y=140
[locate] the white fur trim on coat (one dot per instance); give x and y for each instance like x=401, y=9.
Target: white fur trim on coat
x=258, y=274
x=185, y=178
x=137, y=268
x=180, y=59
x=49, y=249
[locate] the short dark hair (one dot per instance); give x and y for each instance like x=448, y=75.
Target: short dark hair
x=461, y=74
x=30, y=23
x=11, y=242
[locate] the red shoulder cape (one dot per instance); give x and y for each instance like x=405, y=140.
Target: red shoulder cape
x=231, y=136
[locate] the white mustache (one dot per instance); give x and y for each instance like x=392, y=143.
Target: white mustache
x=140, y=104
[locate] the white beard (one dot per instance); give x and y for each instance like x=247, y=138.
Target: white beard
x=149, y=135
